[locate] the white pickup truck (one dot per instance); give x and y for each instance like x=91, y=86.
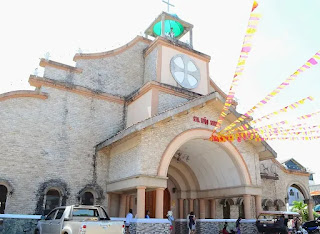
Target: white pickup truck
x=79, y=220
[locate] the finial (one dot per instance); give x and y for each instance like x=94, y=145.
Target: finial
x=35, y=72
x=47, y=56
x=80, y=50
x=169, y=4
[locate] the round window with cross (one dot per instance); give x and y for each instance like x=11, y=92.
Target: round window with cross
x=185, y=71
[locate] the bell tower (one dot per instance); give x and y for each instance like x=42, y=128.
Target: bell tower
x=176, y=62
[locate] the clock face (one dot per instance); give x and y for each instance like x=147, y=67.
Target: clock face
x=185, y=71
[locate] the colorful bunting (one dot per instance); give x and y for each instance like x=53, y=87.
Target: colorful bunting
x=273, y=93
x=246, y=48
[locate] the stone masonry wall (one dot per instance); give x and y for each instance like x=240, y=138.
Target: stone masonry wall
x=168, y=101
x=120, y=74
x=52, y=143
x=277, y=189
x=150, y=67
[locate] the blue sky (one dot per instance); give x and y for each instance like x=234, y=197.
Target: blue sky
x=288, y=35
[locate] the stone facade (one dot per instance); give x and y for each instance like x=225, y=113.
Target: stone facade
x=76, y=139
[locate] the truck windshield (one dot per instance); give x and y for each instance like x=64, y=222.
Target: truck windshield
x=85, y=213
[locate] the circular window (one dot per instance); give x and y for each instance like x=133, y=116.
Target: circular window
x=185, y=71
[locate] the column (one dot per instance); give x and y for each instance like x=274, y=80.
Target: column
x=108, y=197
x=122, y=208
x=132, y=203
x=127, y=203
x=181, y=208
x=258, y=204
x=159, y=203
x=202, y=208
x=162, y=26
x=213, y=208
x=141, y=201
x=246, y=204
x=191, y=205
x=191, y=38
x=310, y=209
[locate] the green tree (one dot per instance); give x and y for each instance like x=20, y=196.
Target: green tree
x=301, y=208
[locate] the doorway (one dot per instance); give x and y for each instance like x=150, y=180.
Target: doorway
x=151, y=203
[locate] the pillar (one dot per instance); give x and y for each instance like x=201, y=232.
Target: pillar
x=213, y=208
x=258, y=205
x=132, y=203
x=310, y=209
x=191, y=38
x=159, y=203
x=202, y=208
x=122, y=209
x=108, y=197
x=162, y=26
x=127, y=203
x=247, y=208
x=191, y=205
x=181, y=208
x=141, y=201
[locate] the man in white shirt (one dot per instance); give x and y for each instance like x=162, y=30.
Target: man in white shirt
x=129, y=218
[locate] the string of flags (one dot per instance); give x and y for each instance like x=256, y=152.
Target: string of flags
x=246, y=48
x=242, y=128
x=275, y=113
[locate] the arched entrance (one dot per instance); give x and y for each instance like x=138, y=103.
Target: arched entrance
x=202, y=170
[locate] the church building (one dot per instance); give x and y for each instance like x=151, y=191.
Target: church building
x=129, y=128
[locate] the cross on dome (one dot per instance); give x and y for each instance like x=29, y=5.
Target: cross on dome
x=168, y=4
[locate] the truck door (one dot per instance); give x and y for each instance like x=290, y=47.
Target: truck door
x=47, y=223
x=56, y=224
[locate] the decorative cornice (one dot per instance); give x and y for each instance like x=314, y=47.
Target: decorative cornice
x=165, y=42
x=42, y=81
x=162, y=88
x=112, y=52
x=23, y=94
x=61, y=66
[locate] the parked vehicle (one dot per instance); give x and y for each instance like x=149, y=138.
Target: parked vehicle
x=274, y=221
x=79, y=219
x=312, y=226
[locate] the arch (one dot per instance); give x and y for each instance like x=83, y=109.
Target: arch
x=43, y=189
x=227, y=200
x=267, y=202
x=87, y=198
x=201, y=133
x=279, y=202
x=22, y=94
x=300, y=187
x=96, y=191
x=8, y=185
x=52, y=200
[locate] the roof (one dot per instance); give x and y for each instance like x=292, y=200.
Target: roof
x=187, y=26
x=315, y=193
x=266, y=154
x=295, y=162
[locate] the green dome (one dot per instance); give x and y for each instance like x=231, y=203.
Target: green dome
x=168, y=24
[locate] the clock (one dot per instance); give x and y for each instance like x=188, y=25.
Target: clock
x=185, y=71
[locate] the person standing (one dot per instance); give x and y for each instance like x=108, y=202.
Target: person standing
x=238, y=225
x=171, y=219
x=191, y=223
x=129, y=218
x=147, y=214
